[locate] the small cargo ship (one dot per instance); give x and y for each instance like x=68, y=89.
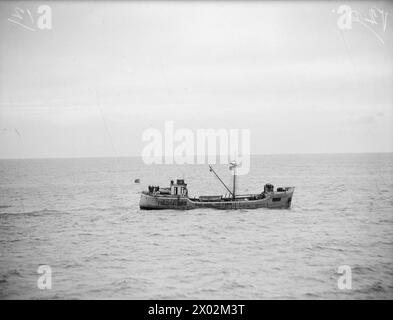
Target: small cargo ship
x=176, y=197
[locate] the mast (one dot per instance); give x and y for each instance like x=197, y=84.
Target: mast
x=234, y=183
x=211, y=170
x=233, y=165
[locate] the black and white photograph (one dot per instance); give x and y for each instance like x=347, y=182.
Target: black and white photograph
x=196, y=150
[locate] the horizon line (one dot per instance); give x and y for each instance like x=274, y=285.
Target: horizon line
x=255, y=154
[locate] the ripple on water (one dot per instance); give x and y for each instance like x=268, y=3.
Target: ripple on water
x=88, y=226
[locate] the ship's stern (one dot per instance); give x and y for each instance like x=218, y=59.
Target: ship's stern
x=148, y=202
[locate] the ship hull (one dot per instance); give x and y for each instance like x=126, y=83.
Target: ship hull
x=278, y=200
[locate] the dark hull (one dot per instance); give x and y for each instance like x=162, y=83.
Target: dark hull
x=278, y=200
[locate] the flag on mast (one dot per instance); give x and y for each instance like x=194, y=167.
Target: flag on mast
x=232, y=165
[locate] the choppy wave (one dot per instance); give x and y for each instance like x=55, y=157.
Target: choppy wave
x=34, y=213
x=83, y=220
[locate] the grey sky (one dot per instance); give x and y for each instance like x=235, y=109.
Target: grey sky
x=107, y=71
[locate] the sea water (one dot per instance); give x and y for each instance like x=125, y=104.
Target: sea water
x=81, y=218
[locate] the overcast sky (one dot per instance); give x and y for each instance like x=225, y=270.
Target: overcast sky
x=107, y=71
